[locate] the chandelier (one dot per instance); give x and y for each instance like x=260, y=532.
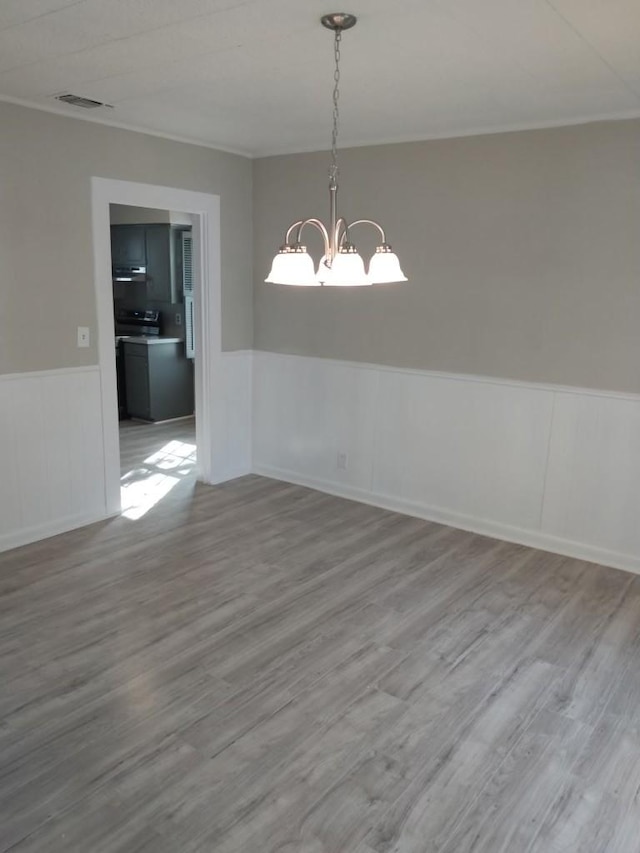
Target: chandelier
x=341, y=265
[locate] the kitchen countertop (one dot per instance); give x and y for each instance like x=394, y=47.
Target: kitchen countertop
x=148, y=340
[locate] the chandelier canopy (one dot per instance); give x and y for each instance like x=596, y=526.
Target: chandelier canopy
x=341, y=265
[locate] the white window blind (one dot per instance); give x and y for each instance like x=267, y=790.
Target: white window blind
x=187, y=291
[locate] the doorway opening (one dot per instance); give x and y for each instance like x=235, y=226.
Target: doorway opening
x=155, y=352
x=153, y=431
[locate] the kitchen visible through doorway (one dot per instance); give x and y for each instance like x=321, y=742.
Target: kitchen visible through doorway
x=155, y=351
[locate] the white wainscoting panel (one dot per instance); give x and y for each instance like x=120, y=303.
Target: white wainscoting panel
x=471, y=448
x=52, y=454
x=233, y=420
x=593, y=481
x=551, y=467
x=306, y=411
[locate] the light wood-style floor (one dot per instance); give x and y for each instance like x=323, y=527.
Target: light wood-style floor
x=258, y=667
x=152, y=453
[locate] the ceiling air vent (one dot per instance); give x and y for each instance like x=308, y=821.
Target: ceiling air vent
x=79, y=101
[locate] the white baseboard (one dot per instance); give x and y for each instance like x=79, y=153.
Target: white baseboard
x=485, y=527
x=228, y=474
x=17, y=538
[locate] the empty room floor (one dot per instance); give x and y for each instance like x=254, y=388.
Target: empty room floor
x=259, y=667
x=157, y=461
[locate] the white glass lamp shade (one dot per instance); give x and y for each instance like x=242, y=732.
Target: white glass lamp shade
x=293, y=267
x=347, y=270
x=384, y=267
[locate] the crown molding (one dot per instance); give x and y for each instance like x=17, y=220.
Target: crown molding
x=462, y=134
x=185, y=140
x=356, y=142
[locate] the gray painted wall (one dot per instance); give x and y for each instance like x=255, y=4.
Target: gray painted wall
x=46, y=253
x=522, y=250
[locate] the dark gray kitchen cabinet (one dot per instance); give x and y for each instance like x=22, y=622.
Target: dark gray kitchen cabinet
x=128, y=246
x=157, y=247
x=160, y=264
x=159, y=380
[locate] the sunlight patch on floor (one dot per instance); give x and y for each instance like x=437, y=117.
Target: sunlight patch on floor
x=144, y=487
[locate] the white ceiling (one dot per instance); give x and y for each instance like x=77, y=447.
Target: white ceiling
x=255, y=76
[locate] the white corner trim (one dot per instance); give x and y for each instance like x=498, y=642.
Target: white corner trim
x=485, y=527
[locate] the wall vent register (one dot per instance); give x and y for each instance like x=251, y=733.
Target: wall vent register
x=80, y=101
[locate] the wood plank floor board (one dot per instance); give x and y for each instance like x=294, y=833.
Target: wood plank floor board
x=597, y=808
x=591, y=607
x=260, y=668
x=320, y=702
x=70, y=780
x=591, y=685
x=511, y=808
x=303, y=765
x=81, y=758
x=97, y=824
x=451, y=591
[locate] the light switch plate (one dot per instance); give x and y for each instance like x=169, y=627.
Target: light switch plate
x=83, y=336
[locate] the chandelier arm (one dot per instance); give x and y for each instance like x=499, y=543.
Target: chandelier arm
x=291, y=229
x=321, y=228
x=364, y=222
x=340, y=230
x=333, y=218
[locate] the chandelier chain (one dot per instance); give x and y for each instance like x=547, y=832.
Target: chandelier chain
x=333, y=171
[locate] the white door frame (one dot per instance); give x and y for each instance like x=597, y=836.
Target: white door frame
x=209, y=397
